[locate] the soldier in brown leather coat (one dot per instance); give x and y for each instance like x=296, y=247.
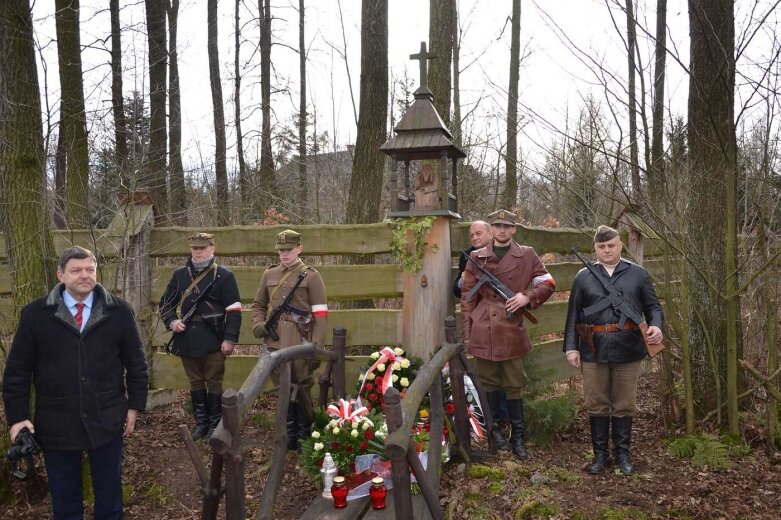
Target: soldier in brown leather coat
x=307, y=321
x=498, y=343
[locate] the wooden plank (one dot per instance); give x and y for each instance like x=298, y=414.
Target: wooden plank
x=323, y=509
x=364, y=327
x=419, y=510
x=548, y=363
x=362, y=239
x=343, y=282
x=6, y=315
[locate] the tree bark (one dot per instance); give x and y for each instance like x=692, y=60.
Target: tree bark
x=363, y=204
x=302, y=116
x=455, y=125
x=178, y=193
x=440, y=35
x=244, y=184
x=117, y=99
x=60, y=164
x=634, y=154
x=266, y=181
x=711, y=212
x=220, y=166
x=154, y=178
x=73, y=114
x=510, y=196
x=25, y=222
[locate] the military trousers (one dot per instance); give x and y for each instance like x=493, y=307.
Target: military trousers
x=610, y=389
x=508, y=375
x=205, y=373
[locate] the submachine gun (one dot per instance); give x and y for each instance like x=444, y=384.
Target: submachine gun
x=191, y=311
x=497, y=286
x=285, y=306
x=24, y=448
x=624, y=309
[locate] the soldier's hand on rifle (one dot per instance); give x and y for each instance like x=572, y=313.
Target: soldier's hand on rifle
x=573, y=358
x=178, y=326
x=260, y=331
x=518, y=301
x=227, y=347
x=654, y=335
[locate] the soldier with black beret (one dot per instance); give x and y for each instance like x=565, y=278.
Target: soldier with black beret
x=306, y=321
x=209, y=335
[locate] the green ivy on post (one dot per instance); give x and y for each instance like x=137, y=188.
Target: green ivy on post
x=412, y=229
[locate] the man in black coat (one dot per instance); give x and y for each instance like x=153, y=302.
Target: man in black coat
x=209, y=335
x=81, y=349
x=609, y=355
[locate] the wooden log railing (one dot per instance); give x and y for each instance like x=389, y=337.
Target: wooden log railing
x=400, y=417
x=225, y=442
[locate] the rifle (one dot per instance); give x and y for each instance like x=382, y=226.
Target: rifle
x=271, y=323
x=497, y=286
x=189, y=314
x=621, y=306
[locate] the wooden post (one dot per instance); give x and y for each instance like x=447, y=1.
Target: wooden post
x=280, y=446
x=402, y=499
x=340, y=348
x=234, y=463
x=211, y=499
x=459, y=401
x=426, y=294
x=454, y=183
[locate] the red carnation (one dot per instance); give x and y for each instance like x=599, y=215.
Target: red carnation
x=368, y=406
x=368, y=435
x=450, y=408
x=445, y=431
x=373, y=397
x=368, y=387
x=348, y=448
x=334, y=445
x=364, y=446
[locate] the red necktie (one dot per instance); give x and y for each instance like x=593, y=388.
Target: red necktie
x=77, y=316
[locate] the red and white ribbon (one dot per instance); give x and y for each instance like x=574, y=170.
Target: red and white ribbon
x=348, y=411
x=387, y=356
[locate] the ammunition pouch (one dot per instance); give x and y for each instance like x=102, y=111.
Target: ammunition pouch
x=586, y=334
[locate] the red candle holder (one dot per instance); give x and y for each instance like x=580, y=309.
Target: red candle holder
x=378, y=492
x=339, y=492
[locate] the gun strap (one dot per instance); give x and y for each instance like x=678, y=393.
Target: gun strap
x=192, y=286
x=602, y=304
x=282, y=280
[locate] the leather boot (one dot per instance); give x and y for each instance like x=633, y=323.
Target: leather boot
x=622, y=437
x=517, y=441
x=214, y=409
x=304, y=425
x=600, y=427
x=498, y=436
x=198, y=398
x=292, y=426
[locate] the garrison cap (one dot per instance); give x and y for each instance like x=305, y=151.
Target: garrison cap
x=502, y=216
x=288, y=239
x=201, y=239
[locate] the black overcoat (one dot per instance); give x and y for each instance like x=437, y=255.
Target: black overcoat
x=626, y=346
x=84, y=381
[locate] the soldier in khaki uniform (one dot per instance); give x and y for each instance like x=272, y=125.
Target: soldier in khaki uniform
x=308, y=321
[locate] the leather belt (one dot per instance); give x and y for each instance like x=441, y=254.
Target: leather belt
x=613, y=327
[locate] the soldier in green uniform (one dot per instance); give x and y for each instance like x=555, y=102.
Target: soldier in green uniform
x=307, y=321
x=204, y=340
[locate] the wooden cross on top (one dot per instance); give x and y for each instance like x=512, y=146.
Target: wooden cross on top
x=423, y=57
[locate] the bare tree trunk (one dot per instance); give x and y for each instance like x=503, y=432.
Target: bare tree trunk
x=178, y=193
x=74, y=117
x=440, y=35
x=455, y=125
x=24, y=220
x=302, y=119
x=634, y=155
x=154, y=178
x=60, y=164
x=510, y=196
x=117, y=99
x=711, y=217
x=244, y=184
x=266, y=183
x=363, y=204
x=220, y=166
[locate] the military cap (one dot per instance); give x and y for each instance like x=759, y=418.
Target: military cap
x=502, y=216
x=288, y=239
x=201, y=239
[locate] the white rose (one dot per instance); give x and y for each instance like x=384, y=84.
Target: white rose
x=379, y=433
x=365, y=426
x=370, y=377
x=404, y=381
x=354, y=433
x=398, y=351
x=381, y=367
x=336, y=431
x=319, y=446
x=333, y=423
x=375, y=355
x=315, y=434
x=395, y=378
x=396, y=365
x=355, y=426
x=405, y=363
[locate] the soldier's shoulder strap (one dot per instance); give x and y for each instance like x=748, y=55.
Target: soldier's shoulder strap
x=284, y=278
x=212, y=269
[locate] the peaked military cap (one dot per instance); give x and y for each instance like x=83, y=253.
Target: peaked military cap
x=201, y=239
x=502, y=216
x=288, y=239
